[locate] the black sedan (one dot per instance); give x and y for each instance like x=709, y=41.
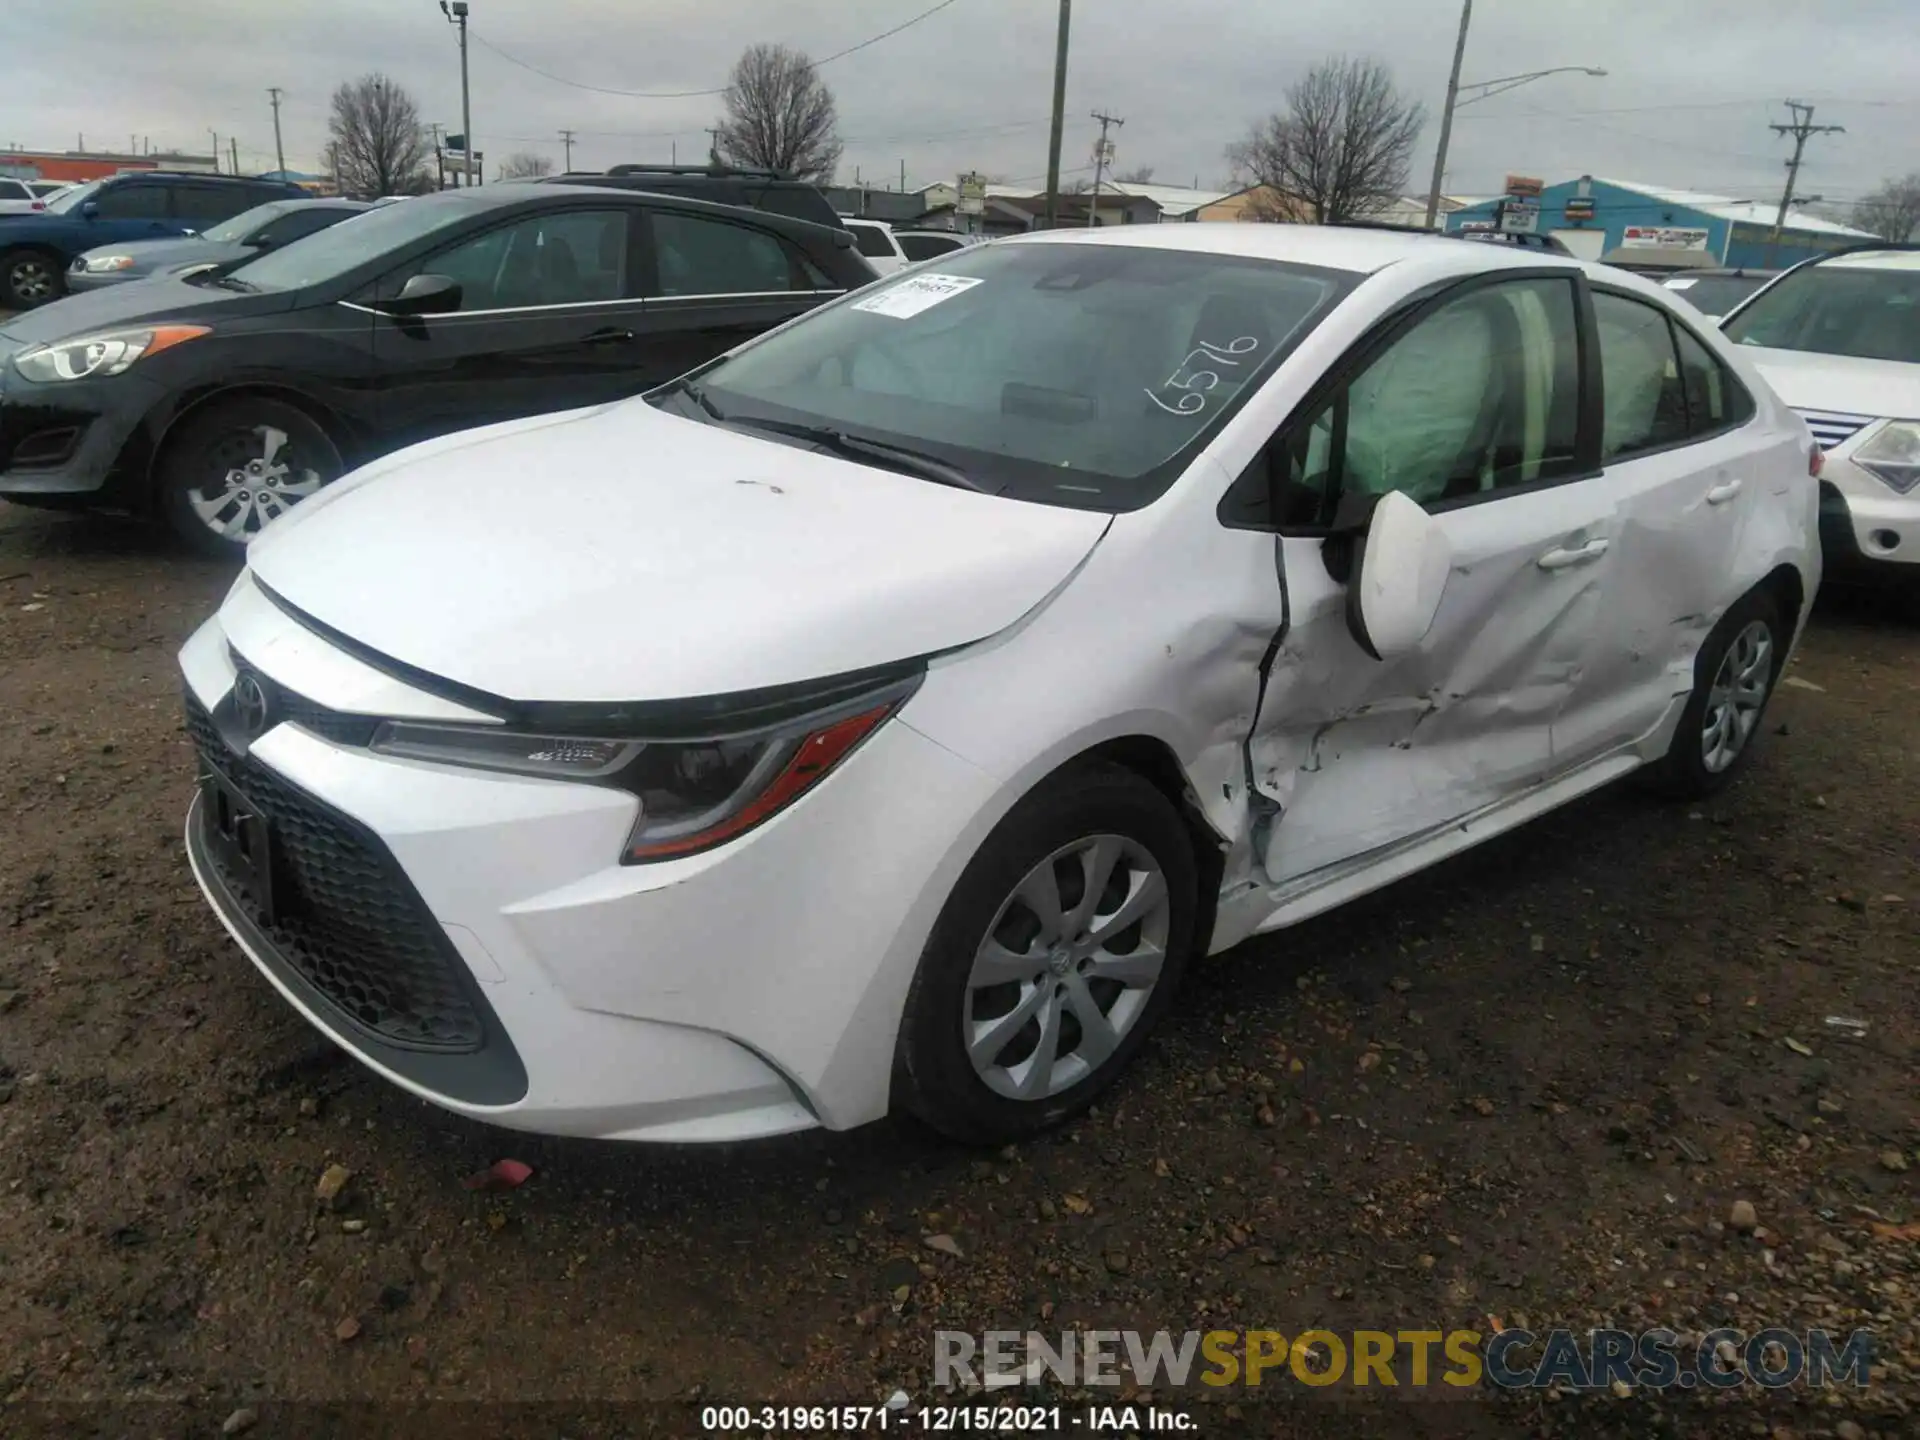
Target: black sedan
x=265, y=227
x=219, y=401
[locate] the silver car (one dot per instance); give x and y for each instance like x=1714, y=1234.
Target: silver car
x=262, y=228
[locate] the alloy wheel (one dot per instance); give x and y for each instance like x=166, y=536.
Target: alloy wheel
x=260, y=478
x=1738, y=695
x=1067, y=967
x=31, y=279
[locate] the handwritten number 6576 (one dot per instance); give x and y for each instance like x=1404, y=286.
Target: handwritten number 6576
x=1194, y=384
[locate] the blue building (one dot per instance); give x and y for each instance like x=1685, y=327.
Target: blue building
x=1648, y=225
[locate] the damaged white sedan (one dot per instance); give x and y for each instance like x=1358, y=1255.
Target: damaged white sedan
x=883, y=716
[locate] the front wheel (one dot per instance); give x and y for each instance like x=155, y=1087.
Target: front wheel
x=1057, y=953
x=239, y=465
x=1734, y=676
x=29, y=278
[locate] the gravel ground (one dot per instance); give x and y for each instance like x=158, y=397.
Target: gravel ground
x=1527, y=1087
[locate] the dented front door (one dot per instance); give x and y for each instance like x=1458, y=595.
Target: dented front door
x=1361, y=753
x=1473, y=412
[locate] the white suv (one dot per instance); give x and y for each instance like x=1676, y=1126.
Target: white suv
x=874, y=238
x=1839, y=339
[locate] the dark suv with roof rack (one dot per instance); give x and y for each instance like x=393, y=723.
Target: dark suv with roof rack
x=775, y=191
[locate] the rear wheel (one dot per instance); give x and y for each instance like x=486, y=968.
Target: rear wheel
x=1058, y=951
x=29, y=278
x=1734, y=675
x=237, y=466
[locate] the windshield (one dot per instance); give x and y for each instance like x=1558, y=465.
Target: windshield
x=330, y=253
x=1085, y=375
x=1872, y=313
x=72, y=199
x=232, y=232
x=1716, y=294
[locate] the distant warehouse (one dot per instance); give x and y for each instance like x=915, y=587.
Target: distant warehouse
x=1656, y=228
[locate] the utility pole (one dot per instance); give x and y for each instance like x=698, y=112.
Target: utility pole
x=1802, y=129
x=216, y=149
x=1102, y=152
x=279, y=151
x=713, y=145
x=1446, y=115
x=457, y=15
x=566, y=139
x=903, y=175
x=1059, y=114
x=233, y=152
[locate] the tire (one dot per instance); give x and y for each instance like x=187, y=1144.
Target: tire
x=223, y=475
x=1694, y=767
x=1065, y=828
x=29, y=278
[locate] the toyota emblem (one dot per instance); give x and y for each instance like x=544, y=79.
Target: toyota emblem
x=252, y=704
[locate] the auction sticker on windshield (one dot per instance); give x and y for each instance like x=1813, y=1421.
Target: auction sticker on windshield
x=919, y=292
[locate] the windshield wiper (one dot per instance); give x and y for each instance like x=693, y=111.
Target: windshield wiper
x=897, y=457
x=691, y=389
x=227, y=282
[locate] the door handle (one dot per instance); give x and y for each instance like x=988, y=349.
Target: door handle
x=1723, y=492
x=1561, y=559
x=609, y=337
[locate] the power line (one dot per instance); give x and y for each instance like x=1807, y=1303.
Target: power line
x=721, y=90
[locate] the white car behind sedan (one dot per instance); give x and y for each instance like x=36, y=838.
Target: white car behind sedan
x=885, y=715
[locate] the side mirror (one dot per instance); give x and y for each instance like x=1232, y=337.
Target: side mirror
x=1399, y=572
x=425, y=295
x=89, y=210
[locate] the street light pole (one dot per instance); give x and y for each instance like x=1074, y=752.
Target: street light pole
x=1487, y=89
x=1059, y=114
x=1446, y=114
x=457, y=15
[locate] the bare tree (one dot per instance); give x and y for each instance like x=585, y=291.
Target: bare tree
x=780, y=115
x=1893, y=211
x=524, y=165
x=1339, y=150
x=379, y=144
x=1139, y=175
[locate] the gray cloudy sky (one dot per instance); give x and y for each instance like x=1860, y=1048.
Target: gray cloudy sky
x=1691, y=89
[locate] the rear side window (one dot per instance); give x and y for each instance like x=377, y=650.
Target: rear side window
x=873, y=241
x=297, y=222
x=925, y=247
x=1716, y=400
x=698, y=256
x=1645, y=403
x=132, y=202
x=204, y=205
x=14, y=190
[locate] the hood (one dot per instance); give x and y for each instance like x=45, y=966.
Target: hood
x=160, y=298
x=181, y=250
x=623, y=554
x=1843, y=384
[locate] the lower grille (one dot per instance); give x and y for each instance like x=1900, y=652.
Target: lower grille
x=345, y=918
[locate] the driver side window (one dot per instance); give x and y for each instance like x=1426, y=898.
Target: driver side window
x=1480, y=395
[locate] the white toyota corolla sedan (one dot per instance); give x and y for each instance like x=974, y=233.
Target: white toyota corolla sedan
x=884, y=715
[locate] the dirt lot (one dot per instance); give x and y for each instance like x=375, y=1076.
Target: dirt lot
x=1530, y=1085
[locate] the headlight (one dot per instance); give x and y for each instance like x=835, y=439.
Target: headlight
x=1893, y=455
x=107, y=353
x=102, y=264
x=694, y=794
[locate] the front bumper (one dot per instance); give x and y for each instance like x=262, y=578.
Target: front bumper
x=751, y=990
x=1867, y=530
x=81, y=441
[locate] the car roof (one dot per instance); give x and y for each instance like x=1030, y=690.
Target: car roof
x=530, y=197
x=1722, y=272
x=1888, y=259
x=1361, y=250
